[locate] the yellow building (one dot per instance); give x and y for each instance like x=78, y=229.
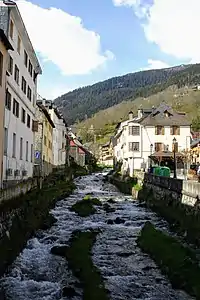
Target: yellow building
x=44, y=140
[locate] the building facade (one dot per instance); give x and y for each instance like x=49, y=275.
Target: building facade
x=20, y=102
x=106, y=154
x=150, y=131
x=44, y=141
x=59, y=132
x=4, y=47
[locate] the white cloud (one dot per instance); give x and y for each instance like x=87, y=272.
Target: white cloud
x=155, y=64
x=171, y=24
x=62, y=38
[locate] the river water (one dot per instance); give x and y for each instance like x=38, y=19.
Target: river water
x=128, y=273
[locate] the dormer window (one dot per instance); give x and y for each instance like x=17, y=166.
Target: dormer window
x=159, y=130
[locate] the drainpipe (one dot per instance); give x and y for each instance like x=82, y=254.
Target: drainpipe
x=41, y=156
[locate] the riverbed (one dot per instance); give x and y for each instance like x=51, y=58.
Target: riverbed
x=127, y=272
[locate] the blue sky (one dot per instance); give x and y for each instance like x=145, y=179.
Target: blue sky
x=113, y=37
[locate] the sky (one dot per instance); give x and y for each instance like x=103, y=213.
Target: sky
x=80, y=42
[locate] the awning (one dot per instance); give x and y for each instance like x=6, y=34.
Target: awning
x=164, y=154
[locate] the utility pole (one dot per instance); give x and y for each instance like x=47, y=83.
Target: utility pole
x=41, y=158
x=67, y=148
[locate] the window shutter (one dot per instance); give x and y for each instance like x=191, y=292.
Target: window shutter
x=171, y=130
x=163, y=130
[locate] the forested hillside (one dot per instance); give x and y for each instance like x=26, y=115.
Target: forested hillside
x=84, y=102
x=102, y=125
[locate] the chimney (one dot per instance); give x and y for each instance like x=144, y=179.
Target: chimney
x=140, y=114
x=130, y=114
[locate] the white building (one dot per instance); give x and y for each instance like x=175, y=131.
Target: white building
x=59, y=132
x=21, y=90
x=151, y=131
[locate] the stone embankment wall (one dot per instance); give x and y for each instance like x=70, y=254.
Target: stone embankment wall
x=22, y=215
x=124, y=185
x=177, y=201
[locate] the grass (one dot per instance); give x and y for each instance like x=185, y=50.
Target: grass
x=80, y=262
x=137, y=187
x=176, y=261
x=85, y=207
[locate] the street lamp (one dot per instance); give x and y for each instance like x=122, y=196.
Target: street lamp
x=174, y=151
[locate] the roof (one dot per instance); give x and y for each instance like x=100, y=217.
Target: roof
x=5, y=40
x=158, y=117
x=166, y=154
x=47, y=115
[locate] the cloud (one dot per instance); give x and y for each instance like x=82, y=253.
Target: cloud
x=171, y=24
x=155, y=64
x=62, y=39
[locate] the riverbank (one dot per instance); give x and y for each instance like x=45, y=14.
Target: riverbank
x=166, y=197
x=176, y=261
x=126, y=272
x=22, y=216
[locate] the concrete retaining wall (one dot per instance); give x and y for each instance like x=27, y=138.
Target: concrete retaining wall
x=18, y=189
x=175, y=200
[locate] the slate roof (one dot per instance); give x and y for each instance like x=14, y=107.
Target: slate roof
x=158, y=117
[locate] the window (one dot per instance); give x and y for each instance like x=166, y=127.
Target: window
x=159, y=147
x=21, y=149
x=23, y=85
x=29, y=93
x=11, y=29
x=16, y=75
x=19, y=45
x=16, y=108
x=134, y=146
x=175, y=130
x=10, y=65
x=8, y=100
x=1, y=68
x=34, y=76
x=14, y=145
x=45, y=140
x=5, y=141
x=159, y=130
x=28, y=121
x=134, y=130
x=30, y=68
x=25, y=58
x=31, y=152
x=23, y=116
x=27, y=151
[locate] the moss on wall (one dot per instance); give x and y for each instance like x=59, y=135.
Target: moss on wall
x=20, y=217
x=183, y=219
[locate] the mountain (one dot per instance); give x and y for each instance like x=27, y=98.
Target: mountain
x=84, y=102
x=102, y=125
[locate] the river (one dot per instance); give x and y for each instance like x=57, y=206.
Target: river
x=128, y=273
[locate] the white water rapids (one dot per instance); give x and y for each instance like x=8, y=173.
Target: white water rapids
x=128, y=273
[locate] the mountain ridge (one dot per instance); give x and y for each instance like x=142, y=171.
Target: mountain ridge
x=83, y=103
